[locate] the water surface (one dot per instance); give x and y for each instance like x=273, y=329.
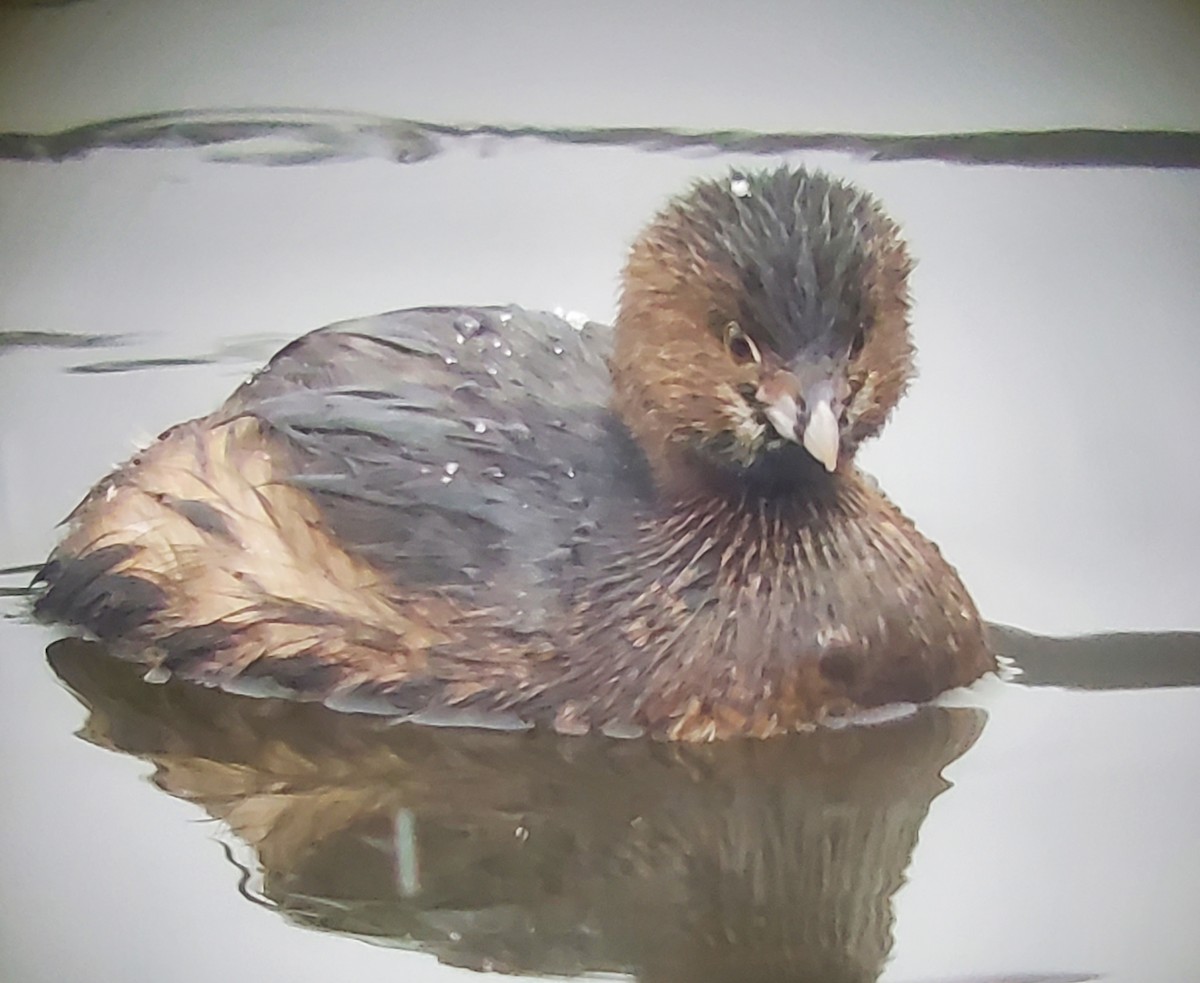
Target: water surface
x=1039, y=826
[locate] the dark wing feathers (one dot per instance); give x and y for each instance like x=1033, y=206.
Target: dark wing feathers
x=467, y=451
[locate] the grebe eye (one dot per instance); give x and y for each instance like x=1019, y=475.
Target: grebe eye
x=740, y=345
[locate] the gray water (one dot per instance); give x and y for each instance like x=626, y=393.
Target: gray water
x=1043, y=826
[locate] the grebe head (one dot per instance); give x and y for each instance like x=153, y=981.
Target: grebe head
x=763, y=328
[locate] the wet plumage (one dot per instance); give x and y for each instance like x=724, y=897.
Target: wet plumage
x=490, y=516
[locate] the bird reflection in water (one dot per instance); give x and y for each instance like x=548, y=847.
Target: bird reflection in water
x=534, y=853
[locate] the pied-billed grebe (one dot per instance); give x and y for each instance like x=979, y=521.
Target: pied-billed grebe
x=488, y=516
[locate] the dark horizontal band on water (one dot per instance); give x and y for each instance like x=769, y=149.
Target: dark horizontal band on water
x=304, y=137
x=1121, y=660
